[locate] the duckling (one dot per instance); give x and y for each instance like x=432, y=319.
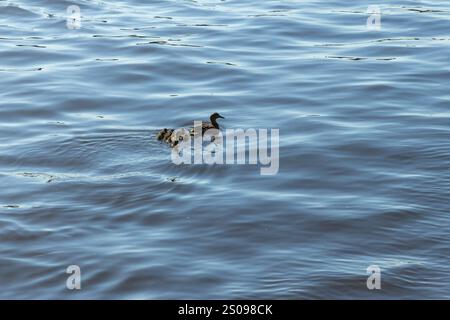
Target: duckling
x=164, y=134
x=161, y=134
x=168, y=136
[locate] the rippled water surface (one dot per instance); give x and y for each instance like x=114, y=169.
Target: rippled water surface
x=364, y=174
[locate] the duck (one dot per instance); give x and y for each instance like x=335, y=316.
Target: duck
x=166, y=135
x=209, y=125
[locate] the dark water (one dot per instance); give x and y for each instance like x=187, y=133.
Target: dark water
x=364, y=173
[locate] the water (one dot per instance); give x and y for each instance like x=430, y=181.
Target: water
x=364, y=158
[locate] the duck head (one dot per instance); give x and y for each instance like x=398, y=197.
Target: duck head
x=214, y=118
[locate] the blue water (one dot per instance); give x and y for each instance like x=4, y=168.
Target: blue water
x=364, y=174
